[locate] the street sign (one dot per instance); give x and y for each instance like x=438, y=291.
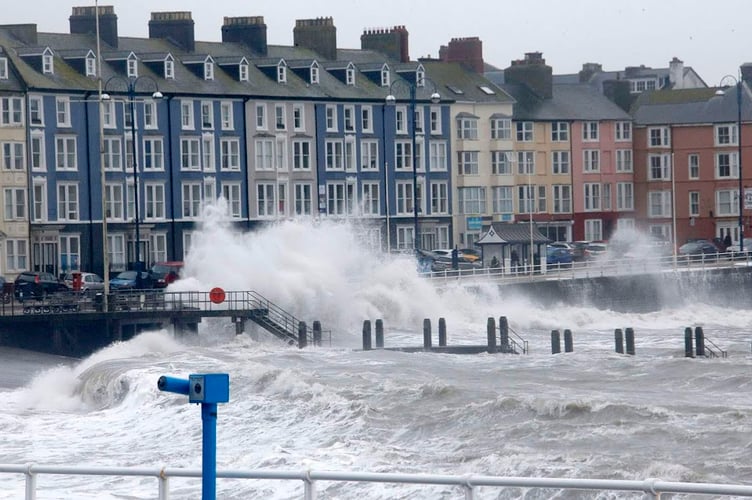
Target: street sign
x=474, y=223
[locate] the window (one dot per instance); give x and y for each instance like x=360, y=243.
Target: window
x=91, y=66
x=265, y=199
x=3, y=68
x=128, y=115
x=403, y=155
x=208, y=70
x=231, y=193
x=624, y=196
x=65, y=153
x=207, y=153
x=371, y=198
x=128, y=149
x=280, y=119
x=48, y=65
x=560, y=162
x=132, y=66
x=153, y=153
x=562, y=198
x=301, y=154
x=116, y=251
x=350, y=76
x=230, y=153
x=281, y=73
x=169, y=69
x=13, y=156
x=419, y=120
x=467, y=162
x=400, y=119
x=542, y=205
x=592, y=196
x=38, y=158
x=503, y=199
x=623, y=131
x=405, y=237
x=334, y=154
x=226, y=116
x=472, y=200
x=385, y=79
x=369, y=155
x=726, y=135
x=264, y=154
x=366, y=118
x=15, y=203
x=11, y=111
x=694, y=203
x=560, y=132
x=693, y=165
x=207, y=115
x=726, y=166
x=404, y=198
x=348, y=115
x=130, y=200
x=150, y=114
x=624, y=160
x=593, y=229
x=526, y=162
x=659, y=204
x=501, y=162
x=314, y=73
x=114, y=201
x=112, y=153
x=155, y=201
x=158, y=247
x=501, y=128
x=438, y=156
x=726, y=202
x=606, y=196
x=658, y=167
x=36, y=110
x=591, y=160
x=189, y=154
x=526, y=199
x=243, y=73
x=67, y=202
x=62, y=111
x=590, y=131
x=335, y=198
x=16, y=252
x=435, y=120
x=191, y=199
x=39, y=210
x=261, y=117
x=303, y=198
x=659, y=137
x=467, y=128
x=186, y=115
x=524, y=131
x=298, y=117
x=439, y=198
x=331, y=118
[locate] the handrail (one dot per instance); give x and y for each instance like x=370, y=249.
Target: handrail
x=468, y=483
x=723, y=353
x=279, y=316
x=524, y=342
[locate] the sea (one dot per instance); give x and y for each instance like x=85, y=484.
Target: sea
x=590, y=413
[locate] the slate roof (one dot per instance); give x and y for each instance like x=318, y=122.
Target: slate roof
x=505, y=232
x=691, y=106
x=569, y=102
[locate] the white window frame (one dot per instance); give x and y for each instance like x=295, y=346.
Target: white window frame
x=62, y=111
x=590, y=131
x=190, y=154
x=191, y=199
x=231, y=192
x=624, y=196
x=623, y=131
x=155, y=201
x=115, y=201
x=226, y=115
x=14, y=204
x=659, y=167
x=186, y=115
x=67, y=201
x=66, y=153
x=693, y=166
x=369, y=155
x=659, y=137
x=153, y=154
x=264, y=154
x=624, y=161
x=366, y=119
x=230, y=154
x=591, y=161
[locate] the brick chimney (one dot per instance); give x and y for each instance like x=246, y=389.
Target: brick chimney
x=588, y=70
x=532, y=72
x=676, y=73
x=466, y=51
x=392, y=42
x=83, y=21
x=177, y=27
x=250, y=31
x=318, y=35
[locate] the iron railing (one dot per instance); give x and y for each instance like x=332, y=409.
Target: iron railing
x=467, y=485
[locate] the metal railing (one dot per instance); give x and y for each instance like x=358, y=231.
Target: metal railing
x=467, y=485
x=519, y=344
x=713, y=351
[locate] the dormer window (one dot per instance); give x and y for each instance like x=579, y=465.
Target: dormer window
x=281, y=72
x=420, y=77
x=48, y=66
x=169, y=69
x=132, y=64
x=208, y=69
x=350, y=75
x=91, y=66
x=3, y=68
x=314, y=73
x=385, y=77
x=243, y=72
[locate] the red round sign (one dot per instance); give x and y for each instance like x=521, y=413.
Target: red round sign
x=217, y=295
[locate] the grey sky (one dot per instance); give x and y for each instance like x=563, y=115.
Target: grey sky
x=709, y=37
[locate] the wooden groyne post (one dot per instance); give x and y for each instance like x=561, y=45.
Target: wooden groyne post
x=491, y=335
x=555, y=342
x=379, y=334
x=699, y=341
x=629, y=337
x=568, y=342
x=367, y=335
x=504, y=334
x=427, y=334
x=619, y=340
x=688, y=349
x=442, y=333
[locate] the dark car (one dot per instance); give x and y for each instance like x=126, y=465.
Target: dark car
x=127, y=281
x=165, y=273
x=558, y=257
x=698, y=250
x=36, y=285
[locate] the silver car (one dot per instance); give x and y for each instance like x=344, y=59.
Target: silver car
x=90, y=282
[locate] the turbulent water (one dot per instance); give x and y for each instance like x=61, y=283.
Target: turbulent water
x=587, y=414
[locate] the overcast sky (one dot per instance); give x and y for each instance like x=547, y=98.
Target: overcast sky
x=713, y=38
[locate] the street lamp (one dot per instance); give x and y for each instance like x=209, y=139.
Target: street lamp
x=738, y=84
x=131, y=84
x=391, y=99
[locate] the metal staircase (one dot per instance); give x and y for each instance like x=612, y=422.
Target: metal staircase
x=276, y=320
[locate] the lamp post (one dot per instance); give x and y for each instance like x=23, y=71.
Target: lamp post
x=391, y=100
x=131, y=84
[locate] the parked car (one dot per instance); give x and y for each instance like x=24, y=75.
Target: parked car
x=736, y=252
x=127, y=281
x=579, y=250
x=447, y=252
x=90, y=282
x=595, y=250
x=470, y=254
x=558, y=257
x=698, y=250
x=36, y=285
x=165, y=273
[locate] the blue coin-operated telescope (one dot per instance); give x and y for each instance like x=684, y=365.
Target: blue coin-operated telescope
x=207, y=389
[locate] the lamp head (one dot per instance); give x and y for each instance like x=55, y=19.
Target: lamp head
x=435, y=98
x=390, y=99
x=719, y=92
x=104, y=97
x=157, y=95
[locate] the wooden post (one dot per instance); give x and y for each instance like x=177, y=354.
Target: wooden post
x=699, y=341
x=302, y=335
x=367, y=335
x=504, y=334
x=555, y=342
x=317, y=333
x=491, y=335
x=629, y=337
x=379, y=334
x=427, y=334
x=688, y=352
x=239, y=325
x=619, y=340
x=568, y=344
x=442, y=332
